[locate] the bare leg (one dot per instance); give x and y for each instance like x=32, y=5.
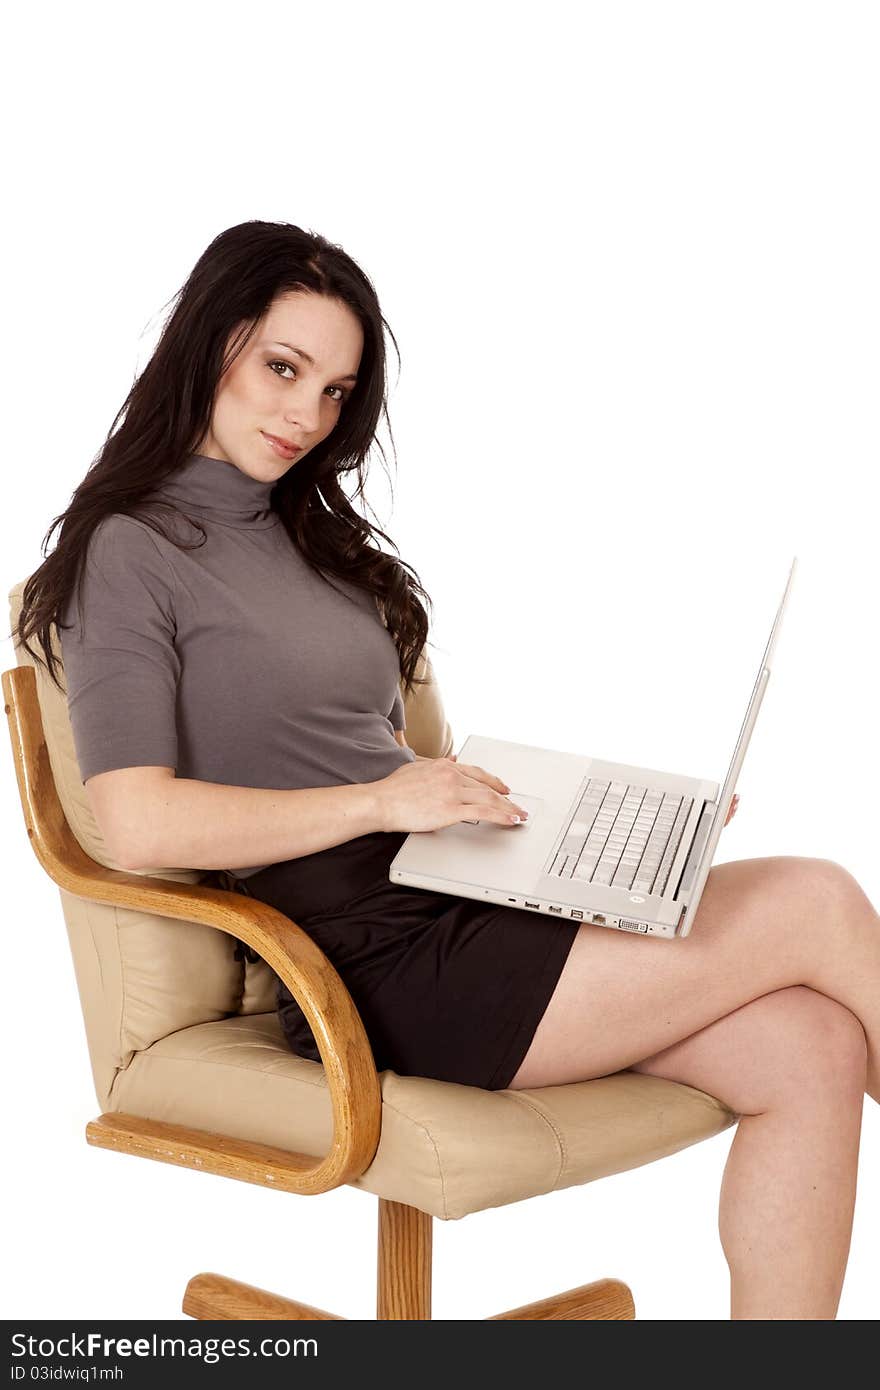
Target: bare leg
x=762, y=925
x=792, y=1065
x=772, y=1005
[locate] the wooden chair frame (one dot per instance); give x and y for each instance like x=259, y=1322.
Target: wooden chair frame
x=403, y=1286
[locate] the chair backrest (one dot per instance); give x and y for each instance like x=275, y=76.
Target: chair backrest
x=142, y=977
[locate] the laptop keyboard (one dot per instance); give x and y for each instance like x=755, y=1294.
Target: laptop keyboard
x=622, y=835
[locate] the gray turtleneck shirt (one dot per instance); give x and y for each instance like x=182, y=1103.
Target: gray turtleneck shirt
x=233, y=662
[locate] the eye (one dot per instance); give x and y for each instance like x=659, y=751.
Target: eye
x=288, y=366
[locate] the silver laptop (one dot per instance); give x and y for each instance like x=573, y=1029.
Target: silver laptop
x=619, y=846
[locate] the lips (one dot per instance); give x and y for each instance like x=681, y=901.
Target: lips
x=282, y=446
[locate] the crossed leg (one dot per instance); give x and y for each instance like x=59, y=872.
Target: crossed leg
x=772, y=1005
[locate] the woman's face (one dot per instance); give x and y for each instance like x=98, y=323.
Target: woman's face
x=272, y=389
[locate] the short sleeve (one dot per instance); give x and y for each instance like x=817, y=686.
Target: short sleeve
x=121, y=665
x=397, y=716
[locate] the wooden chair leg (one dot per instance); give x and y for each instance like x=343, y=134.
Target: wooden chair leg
x=606, y=1299
x=403, y=1278
x=217, y=1298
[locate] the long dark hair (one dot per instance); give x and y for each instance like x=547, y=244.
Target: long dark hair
x=169, y=407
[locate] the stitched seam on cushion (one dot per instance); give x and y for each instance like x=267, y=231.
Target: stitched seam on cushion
x=117, y=1062
x=207, y=1061
x=563, y=1153
x=432, y=1141
x=123, y=1003
x=97, y=953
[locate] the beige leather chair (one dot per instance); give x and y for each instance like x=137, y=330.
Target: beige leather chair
x=190, y=1065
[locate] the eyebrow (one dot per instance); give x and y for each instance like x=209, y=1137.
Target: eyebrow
x=311, y=361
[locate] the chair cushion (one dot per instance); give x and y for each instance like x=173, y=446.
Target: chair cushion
x=446, y=1149
x=141, y=977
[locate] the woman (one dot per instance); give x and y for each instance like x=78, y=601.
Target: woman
x=233, y=644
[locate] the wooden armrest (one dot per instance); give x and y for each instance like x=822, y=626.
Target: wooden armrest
x=288, y=950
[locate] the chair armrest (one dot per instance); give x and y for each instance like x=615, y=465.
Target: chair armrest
x=311, y=978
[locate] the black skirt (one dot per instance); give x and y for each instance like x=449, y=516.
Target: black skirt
x=446, y=987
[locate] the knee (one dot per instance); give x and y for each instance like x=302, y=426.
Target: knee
x=820, y=1044
x=829, y=890
x=826, y=875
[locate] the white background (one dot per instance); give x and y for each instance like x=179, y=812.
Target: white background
x=629, y=252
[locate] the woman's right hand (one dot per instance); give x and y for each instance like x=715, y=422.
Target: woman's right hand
x=430, y=793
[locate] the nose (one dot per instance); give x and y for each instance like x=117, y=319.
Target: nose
x=304, y=414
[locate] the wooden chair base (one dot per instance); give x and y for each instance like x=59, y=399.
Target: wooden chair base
x=403, y=1286
x=403, y=1273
